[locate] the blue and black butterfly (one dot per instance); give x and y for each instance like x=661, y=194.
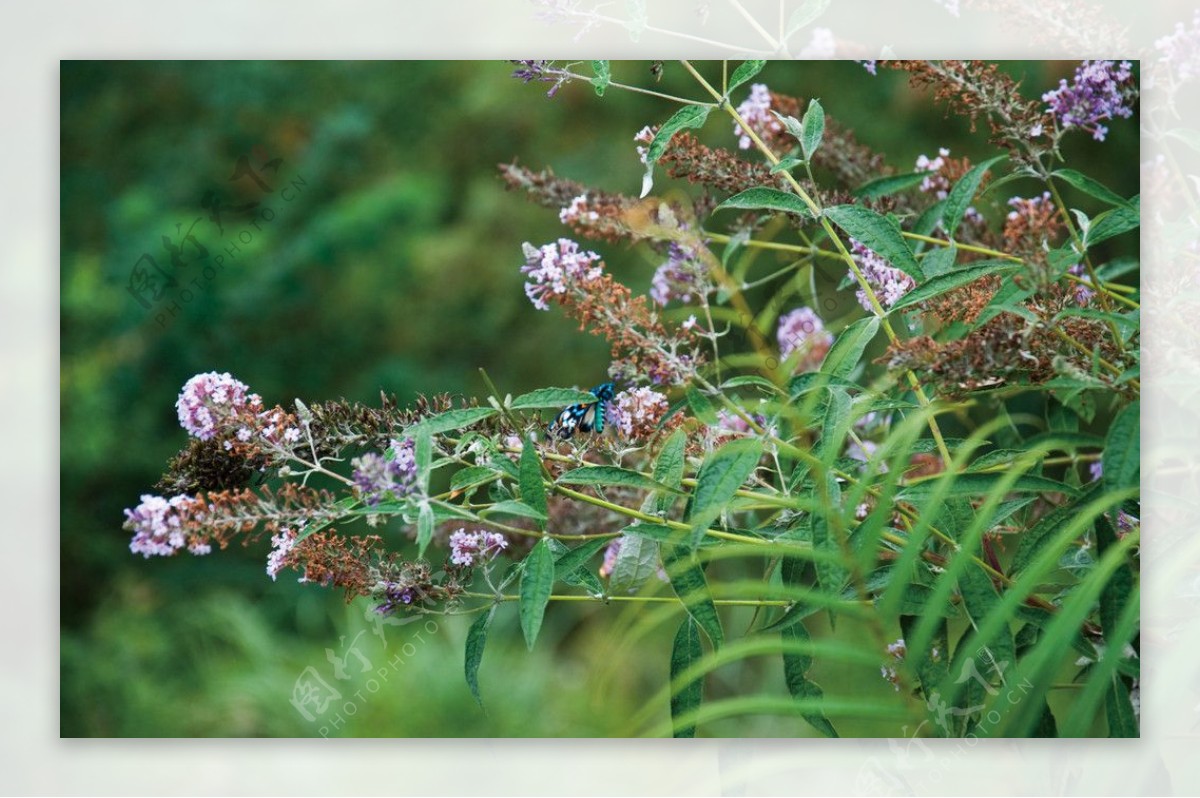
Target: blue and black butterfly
x=584, y=417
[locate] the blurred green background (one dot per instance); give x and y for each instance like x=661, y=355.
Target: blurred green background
x=392, y=266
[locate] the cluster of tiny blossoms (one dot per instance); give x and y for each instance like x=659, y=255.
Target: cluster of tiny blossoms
x=802, y=331
x=377, y=477
x=888, y=282
x=553, y=268
x=1100, y=90
x=161, y=527
x=467, y=548
x=637, y=412
x=679, y=277
x=755, y=110
x=211, y=401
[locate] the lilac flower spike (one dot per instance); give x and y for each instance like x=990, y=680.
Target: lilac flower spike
x=1100, y=90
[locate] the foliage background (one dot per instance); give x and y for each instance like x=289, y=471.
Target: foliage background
x=394, y=269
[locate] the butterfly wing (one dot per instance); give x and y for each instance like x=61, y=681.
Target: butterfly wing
x=584, y=417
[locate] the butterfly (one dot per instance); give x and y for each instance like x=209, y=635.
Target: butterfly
x=582, y=417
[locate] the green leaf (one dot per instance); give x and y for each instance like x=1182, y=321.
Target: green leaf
x=659, y=532
x=787, y=164
x=670, y=466
x=701, y=407
x=476, y=639
x=422, y=457
x=689, y=584
x=795, y=668
x=1091, y=187
x=939, y=261
x=551, y=397
x=537, y=580
x=452, y=420
x=877, y=233
x=1122, y=450
x=637, y=561
x=603, y=76
x=979, y=599
x=1118, y=708
x=611, y=475
x=471, y=475
x=533, y=490
x=751, y=379
x=883, y=186
x=685, y=652
x=1113, y=223
x=573, y=559
x=1044, y=531
x=771, y=199
x=720, y=477
x=927, y=222
x=831, y=575
x=745, y=71
x=963, y=192
x=517, y=508
x=813, y=126
x=811, y=381
x=805, y=14
x=936, y=286
x=424, y=527
x=847, y=350
x=982, y=484
x=690, y=116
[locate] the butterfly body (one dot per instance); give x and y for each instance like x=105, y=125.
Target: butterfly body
x=584, y=417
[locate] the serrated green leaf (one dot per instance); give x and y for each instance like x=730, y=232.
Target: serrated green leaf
x=533, y=490
x=424, y=527
x=813, y=127
x=805, y=14
x=982, y=484
x=512, y=507
x=1045, y=529
x=686, y=652
x=883, y=186
x=476, y=640
x=745, y=71
x=603, y=76
x=452, y=420
x=1112, y=223
x=471, y=475
x=1118, y=709
x=771, y=199
x=878, y=234
x=813, y=380
x=701, y=407
x=845, y=353
x=1091, y=187
x=551, y=398
x=936, y=286
x=939, y=261
x=611, y=475
x=1122, y=450
x=720, y=477
x=795, y=669
x=637, y=560
x=689, y=584
x=690, y=116
x=537, y=582
x=574, y=559
x=657, y=532
x=962, y=193
x=751, y=379
x=670, y=466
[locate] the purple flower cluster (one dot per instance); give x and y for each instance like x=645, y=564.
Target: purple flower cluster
x=377, y=477
x=802, y=329
x=281, y=546
x=396, y=595
x=577, y=211
x=756, y=112
x=159, y=526
x=543, y=72
x=466, y=548
x=871, y=66
x=1083, y=294
x=1100, y=90
x=636, y=412
x=679, y=277
x=1181, y=50
x=211, y=401
x=553, y=267
x=888, y=282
